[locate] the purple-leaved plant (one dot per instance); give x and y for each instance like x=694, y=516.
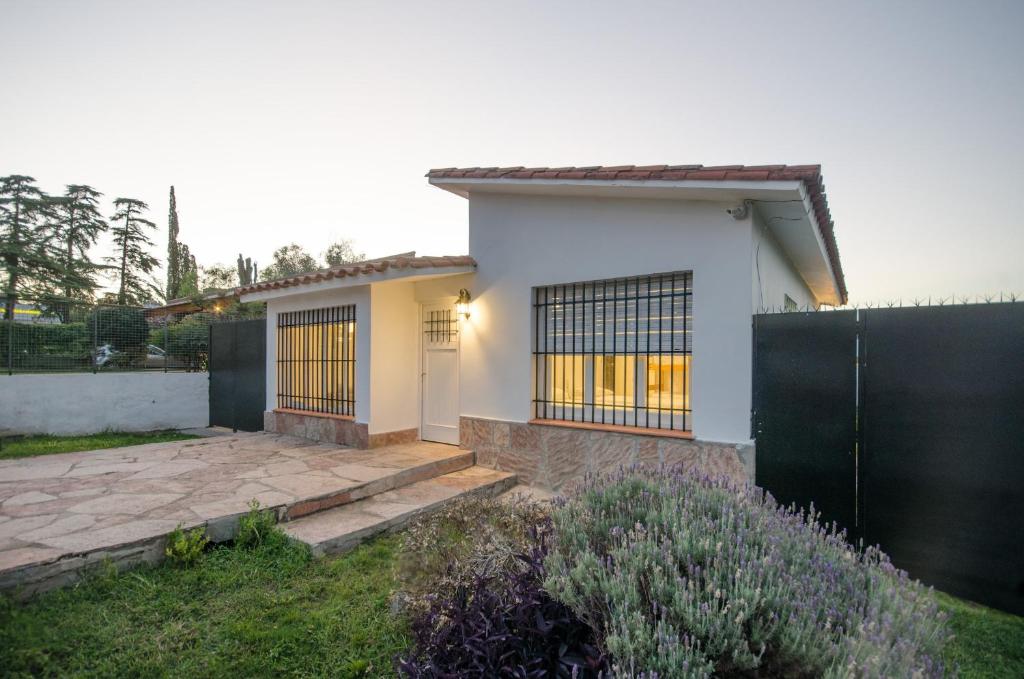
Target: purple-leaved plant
x=502, y=625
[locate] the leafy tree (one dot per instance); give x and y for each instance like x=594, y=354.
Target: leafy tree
x=173, y=258
x=342, y=252
x=134, y=264
x=78, y=226
x=218, y=277
x=31, y=262
x=290, y=260
x=247, y=270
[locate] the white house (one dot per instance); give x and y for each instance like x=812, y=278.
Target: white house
x=604, y=318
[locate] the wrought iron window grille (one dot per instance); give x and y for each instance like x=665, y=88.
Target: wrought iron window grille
x=615, y=352
x=316, y=360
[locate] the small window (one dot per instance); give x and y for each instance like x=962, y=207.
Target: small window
x=615, y=352
x=316, y=360
x=789, y=304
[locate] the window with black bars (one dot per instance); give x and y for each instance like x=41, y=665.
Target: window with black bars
x=316, y=360
x=615, y=352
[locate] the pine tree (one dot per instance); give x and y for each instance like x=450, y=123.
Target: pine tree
x=173, y=251
x=79, y=225
x=133, y=262
x=30, y=260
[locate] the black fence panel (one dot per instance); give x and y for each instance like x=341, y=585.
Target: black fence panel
x=943, y=456
x=804, y=419
x=238, y=370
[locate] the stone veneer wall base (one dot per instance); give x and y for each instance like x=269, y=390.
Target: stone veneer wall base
x=323, y=429
x=551, y=457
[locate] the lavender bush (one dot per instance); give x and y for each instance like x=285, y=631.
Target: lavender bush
x=683, y=576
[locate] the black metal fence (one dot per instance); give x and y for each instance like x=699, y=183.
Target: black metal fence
x=64, y=337
x=906, y=427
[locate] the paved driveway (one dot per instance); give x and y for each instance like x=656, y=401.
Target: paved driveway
x=58, y=506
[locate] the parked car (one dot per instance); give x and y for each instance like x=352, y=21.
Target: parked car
x=156, y=357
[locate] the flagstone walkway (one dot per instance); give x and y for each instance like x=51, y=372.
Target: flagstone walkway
x=60, y=513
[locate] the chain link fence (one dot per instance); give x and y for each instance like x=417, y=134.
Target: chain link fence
x=64, y=337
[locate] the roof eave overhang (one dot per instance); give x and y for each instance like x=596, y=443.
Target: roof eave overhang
x=792, y=221
x=406, y=275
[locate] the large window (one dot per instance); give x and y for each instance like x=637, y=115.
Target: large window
x=316, y=360
x=615, y=352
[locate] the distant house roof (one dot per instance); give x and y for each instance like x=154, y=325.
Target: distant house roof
x=810, y=175
x=395, y=262
x=188, y=305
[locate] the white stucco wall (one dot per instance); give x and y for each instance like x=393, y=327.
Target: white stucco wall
x=360, y=296
x=83, y=403
x=394, y=369
x=773, y=275
x=524, y=241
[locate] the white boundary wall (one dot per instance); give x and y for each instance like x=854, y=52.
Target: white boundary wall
x=83, y=403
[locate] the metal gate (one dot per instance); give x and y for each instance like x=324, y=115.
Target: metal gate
x=238, y=370
x=805, y=411
x=928, y=407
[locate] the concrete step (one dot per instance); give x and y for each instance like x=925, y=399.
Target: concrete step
x=419, y=463
x=340, y=529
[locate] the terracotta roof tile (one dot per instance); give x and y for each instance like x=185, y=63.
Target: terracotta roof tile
x=810, y=175
x=360, y=268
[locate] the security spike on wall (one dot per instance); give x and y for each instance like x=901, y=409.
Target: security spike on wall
x=898, y=303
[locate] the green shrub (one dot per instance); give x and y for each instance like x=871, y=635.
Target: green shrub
x=185, y=547
x=469, y=539
x=258, y=528
x=123, y=328
x=685, y=576
x=187, y=342
x=47, y=345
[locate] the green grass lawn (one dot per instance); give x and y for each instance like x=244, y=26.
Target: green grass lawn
x=269, y=612
x=275, y=611
x=48, y=445
x=988, y=643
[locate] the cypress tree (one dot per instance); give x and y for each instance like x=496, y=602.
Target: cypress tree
x=173, y=251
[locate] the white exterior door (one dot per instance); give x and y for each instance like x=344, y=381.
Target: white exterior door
x=440, y=400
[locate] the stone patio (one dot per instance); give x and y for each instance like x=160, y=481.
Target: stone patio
x=62, y=514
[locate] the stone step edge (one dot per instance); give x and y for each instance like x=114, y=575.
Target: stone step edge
x=349, y=541
x=404, y=477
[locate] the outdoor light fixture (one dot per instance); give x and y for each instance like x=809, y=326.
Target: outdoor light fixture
x=462, y=303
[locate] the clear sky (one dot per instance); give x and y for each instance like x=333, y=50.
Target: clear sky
x=309, y=121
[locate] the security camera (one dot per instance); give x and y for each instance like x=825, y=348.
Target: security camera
x=740, y=211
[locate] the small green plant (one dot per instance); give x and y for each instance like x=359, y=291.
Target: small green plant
x=258, y=528
x=467, y=539
x=185, y=547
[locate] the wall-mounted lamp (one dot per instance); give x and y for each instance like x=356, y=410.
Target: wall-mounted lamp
x=462, y=303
